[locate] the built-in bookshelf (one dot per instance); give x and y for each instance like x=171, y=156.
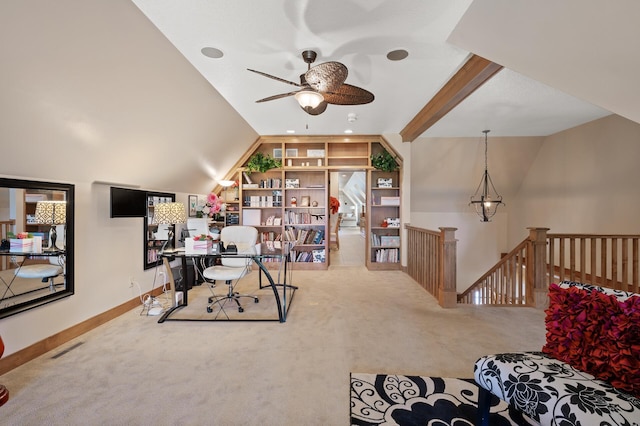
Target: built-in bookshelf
x=290, y=203
x=384, y=232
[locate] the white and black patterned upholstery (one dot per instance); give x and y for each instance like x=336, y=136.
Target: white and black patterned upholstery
x=553, y=392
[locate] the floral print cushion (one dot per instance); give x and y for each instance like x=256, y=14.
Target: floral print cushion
x=554, y=393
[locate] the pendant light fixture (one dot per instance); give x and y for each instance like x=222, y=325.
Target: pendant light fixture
x=486, y=199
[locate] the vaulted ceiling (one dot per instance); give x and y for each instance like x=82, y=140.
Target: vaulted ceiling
x=270, y=35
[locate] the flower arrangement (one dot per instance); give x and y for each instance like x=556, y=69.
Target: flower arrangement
x=212, y=207
x=202, y=237
x=19, y=235
x=334, y=205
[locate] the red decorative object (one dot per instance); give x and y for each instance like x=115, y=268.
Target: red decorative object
x=596, y=333
x=334, y=205
x=4, y=392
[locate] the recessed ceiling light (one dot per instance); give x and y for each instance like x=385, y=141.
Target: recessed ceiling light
x=291, y=131
x=348, y=131
x=397, y=55
x=212, y=52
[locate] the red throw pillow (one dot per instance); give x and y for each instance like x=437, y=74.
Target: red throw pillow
x=596, y=333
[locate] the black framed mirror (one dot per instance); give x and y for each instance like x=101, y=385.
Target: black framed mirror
x=36, y=255
x=155, y=236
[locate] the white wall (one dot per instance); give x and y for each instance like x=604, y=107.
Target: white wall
x=446, y=173
x=92, y=91
x=584, y=180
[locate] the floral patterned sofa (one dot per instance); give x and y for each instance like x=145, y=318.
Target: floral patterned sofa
x=588, y=372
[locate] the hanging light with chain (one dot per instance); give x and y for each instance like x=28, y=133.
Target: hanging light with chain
x=486, y=199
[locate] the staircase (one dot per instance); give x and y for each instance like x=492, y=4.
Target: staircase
x=522, y=277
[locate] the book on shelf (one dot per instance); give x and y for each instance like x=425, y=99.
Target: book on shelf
x=318, y=256
x=387, y=255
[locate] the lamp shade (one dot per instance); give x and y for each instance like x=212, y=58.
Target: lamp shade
x=169, y=214
x=309, y=98
x=51, y=212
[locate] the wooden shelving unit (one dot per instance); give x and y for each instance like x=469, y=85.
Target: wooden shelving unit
x=267, y=201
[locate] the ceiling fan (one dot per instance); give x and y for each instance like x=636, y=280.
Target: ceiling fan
x=321, y=85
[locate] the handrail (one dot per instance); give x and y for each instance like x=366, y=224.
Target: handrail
x=608, y=260
x=504, y=283
x=431, y=262
x=523, y=276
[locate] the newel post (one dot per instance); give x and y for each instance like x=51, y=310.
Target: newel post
x=537, y=288
x=447, y=287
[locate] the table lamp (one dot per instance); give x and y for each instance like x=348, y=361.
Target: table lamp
x=169, y=214
x=51, y=213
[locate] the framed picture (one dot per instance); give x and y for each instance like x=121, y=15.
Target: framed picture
x=291, y=152
x=193, y=205
x=305, y=201
x=277, y=152
x=291, y=183
x=315, y=153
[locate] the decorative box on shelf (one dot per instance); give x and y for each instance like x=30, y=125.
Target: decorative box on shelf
x=389, y=241
x=21, y=245
x=389, y=201
x=192, y=246
x=393, y=222
x=385, y=183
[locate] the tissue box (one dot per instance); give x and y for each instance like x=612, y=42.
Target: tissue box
x=192, y=246
x=21, y=245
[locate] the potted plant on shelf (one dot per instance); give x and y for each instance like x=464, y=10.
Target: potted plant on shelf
x=260, y=162
x=384, y=161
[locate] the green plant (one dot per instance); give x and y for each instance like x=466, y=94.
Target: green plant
x=384, y=161
x=260, y=162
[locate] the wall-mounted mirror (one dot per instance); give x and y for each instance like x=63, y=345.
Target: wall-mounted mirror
x=36, y=255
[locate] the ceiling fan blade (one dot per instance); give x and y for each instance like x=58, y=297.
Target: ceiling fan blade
x=348, y=95
x=274, y=97
x=322, y=106
x=274, y=77
x=327, y=77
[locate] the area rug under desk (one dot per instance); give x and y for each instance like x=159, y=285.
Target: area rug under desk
x=381, y=399
x=265, y=310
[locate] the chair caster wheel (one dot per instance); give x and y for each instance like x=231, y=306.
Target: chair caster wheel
x=256, y=300
x=209, y=309
x=210, y=300
x=240, y=310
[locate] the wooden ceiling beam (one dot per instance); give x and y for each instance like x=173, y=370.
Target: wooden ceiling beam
x=473, y=74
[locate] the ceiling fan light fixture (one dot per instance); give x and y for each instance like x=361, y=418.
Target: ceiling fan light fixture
x=309, y=98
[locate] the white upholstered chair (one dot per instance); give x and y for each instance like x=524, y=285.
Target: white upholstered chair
x=232, y=269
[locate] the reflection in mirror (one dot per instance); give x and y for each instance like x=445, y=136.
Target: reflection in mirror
x=36, y=254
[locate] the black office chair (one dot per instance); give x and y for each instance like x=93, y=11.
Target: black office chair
x=232, y=269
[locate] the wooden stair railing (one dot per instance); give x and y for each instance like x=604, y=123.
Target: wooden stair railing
x=431, y=261
x=522, y=277
x=600, y=259
x=505, y=283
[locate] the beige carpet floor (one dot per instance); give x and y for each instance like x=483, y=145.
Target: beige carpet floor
x=134, y=371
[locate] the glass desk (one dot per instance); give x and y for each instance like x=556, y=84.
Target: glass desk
x=283, y=290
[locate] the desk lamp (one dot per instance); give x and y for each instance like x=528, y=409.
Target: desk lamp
x=169, y=214
x=51, y=213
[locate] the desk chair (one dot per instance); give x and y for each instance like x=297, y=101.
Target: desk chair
x=45, y=271
x=245, y=238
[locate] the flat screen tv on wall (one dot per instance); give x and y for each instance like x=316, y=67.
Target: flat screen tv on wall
x=127, y=202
